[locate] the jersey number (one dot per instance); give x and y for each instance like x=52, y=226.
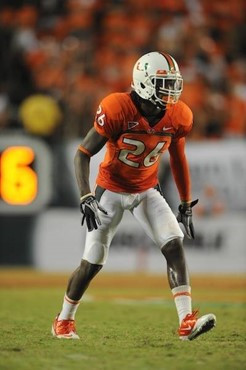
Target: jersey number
x=100, y=117
x=150, y=158
x=18, y=181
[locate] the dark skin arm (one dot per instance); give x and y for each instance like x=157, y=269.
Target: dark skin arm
x=93, y=142
x=181, y=174
x=180, y=169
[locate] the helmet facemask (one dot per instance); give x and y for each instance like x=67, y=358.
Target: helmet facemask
x=166, y=90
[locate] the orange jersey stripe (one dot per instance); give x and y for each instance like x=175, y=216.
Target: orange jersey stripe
x=182, y=293
x=84, y=150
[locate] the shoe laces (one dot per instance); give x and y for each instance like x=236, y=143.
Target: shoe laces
x=191, y=316
x=66, y=325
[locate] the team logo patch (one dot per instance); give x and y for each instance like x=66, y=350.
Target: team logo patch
x=132, y=124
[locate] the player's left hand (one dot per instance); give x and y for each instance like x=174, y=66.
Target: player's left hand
x=185, y=217
x=89, y=207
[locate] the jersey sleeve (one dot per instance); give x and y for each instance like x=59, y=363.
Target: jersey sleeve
x=109, y=117
x=183, y=121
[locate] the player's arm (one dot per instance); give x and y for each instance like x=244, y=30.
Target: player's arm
x=92, y=144
x=180, y=169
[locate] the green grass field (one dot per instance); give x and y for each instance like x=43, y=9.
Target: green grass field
x=125, y=322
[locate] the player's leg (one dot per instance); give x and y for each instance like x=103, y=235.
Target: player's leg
x=80, y=279
x=190, y=326
x=64, y=324
x=94, y=257
x=177, y=272
x=178, y=276
x=158, y=220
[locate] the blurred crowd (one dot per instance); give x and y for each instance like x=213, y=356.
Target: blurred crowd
x=59, y=58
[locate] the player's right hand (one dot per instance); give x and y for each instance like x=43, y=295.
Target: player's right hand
x=89, y=207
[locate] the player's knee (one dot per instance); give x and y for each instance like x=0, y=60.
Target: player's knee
x=96, y=254
x=173, y=249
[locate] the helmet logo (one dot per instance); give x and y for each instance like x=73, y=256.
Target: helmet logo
x=138, y=67
x=145, y=67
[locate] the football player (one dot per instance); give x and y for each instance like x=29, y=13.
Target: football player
x=137, y=127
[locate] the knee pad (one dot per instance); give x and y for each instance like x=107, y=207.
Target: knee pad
x=96, y=253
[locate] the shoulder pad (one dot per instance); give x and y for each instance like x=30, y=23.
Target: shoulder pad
x=118, y=106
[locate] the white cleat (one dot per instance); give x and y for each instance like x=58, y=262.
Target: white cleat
x=192, y=326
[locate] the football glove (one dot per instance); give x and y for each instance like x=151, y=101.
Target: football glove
x=185, y=217
x=89, y=207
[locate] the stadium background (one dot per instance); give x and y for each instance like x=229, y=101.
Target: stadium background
x=57, y=60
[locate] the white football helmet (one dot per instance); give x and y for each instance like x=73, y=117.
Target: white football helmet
x=156, y=77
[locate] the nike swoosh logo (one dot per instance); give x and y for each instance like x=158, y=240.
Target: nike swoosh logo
x=187, y=328
x=167, y=128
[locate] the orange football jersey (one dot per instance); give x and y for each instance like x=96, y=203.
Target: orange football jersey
x=134, y=147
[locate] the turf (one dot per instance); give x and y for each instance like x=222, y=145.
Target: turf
x=128, y=327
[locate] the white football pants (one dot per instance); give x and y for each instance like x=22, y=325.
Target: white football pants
x=149, y=208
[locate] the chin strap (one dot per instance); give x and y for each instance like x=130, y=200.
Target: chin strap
x=157, y=104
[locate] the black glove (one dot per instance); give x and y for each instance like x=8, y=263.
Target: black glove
x=89, y=207
x=185, y=217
